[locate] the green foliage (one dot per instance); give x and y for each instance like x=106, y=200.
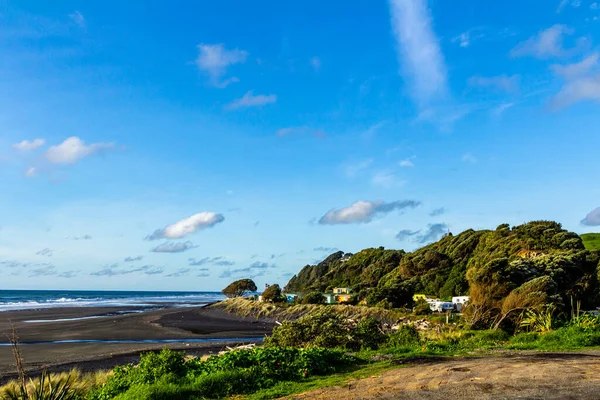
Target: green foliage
x=540, y=321
x=168, y=376
x=406, y=336
x=273, y=294
x=591, y=241
x=422, y=308
x=239, y=288
x=328, y=329
x=313, y=298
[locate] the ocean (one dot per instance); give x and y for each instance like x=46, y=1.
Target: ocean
x=11, y=300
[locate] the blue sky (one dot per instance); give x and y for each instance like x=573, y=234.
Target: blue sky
x=180, y=145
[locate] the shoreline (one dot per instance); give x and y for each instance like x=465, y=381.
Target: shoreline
x=182, y=325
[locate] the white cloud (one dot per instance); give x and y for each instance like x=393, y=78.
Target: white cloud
x=251, y=100
x=561, y=5
x=548, y=43
x=419, y=51
x=78, y=18
x=593, y=218
x=572, y=71
x=184, y=227
x=27, y=145
x=509, y=84
x=594, y=6
x=315, y=62
x=31, y=172
x=467, y=38
x=469, y=158
x=74, y=149
x=407, y=163
x=363, y=211
x=214, y=59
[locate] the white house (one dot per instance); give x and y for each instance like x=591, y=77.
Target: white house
x=459, y=302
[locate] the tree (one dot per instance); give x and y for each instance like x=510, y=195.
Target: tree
x=273, y=293
x=239, y=288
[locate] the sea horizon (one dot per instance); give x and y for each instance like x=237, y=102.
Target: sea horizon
x=28, y=299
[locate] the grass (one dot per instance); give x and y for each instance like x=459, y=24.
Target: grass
x=591, y=241
x=250, y=308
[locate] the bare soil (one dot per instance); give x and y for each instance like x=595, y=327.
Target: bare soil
x=520, y=376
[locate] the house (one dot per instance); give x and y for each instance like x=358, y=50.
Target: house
x=343, y=298
x=330, y=298
x=290, y=297
x=459, y=302
x=342, y=290
x=441, y=306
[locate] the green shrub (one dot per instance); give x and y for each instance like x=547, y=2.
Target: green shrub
x=368, y=334
x=406, y=336
x=313, y=298
x=421, y=308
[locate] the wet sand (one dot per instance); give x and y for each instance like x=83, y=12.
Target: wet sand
x=163, y=324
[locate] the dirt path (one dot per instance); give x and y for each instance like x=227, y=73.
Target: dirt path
x=522, y=376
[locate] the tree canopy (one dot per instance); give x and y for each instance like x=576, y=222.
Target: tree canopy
x=239, y=288
x=273, y=293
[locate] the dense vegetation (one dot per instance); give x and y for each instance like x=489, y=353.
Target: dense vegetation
x=503, y=270
x=239, y=288
x=591, y=241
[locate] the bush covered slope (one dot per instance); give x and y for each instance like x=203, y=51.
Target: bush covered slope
x=537, y=260
x=591, y=241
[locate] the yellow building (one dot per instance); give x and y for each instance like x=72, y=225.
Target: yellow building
x=417, y=297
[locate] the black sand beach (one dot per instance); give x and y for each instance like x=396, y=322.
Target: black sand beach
x=164, y=324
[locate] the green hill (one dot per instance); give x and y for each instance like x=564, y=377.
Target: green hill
x=534, y=263
x=591, y=241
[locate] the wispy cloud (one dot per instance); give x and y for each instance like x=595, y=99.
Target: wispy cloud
x=564, y=3
x=31, y=172
x=256, y=269
x=364, y=211
x=78, y=19
x=84, y=237
x=301, y=130
x=503, y=83
x=548, y=43
x=44, y=252
x=419, y=51
x=43, y=271
x=132, y=259
x=387, y=179
x=575, y=70
x=407, y=163
x=113, y=270
x=467, y=38
x=215, y=59
x=437, y=211
x=353, y=169
x=582, y=82
x=315, y=62
x=501, y=108
x=170, y=247
x=251, y=100
x=593, y=218
x=179, y=272
x=29, y=145
x=74, y=149
x=469, y=158
x=406, y=234
x=434, y=232
x=220, y=261
x=186, y=226
x=326, y=249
